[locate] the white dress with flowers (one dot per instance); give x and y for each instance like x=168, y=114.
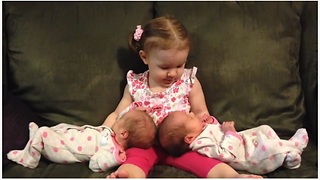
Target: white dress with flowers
x=175, y=98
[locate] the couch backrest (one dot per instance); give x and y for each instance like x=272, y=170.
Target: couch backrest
x=68, y=60
x=248, y=54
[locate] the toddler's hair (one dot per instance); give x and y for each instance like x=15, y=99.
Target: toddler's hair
x=141, y=128
x=164, y=33
x=171, y=136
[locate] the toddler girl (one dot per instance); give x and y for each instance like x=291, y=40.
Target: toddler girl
x=163, y=45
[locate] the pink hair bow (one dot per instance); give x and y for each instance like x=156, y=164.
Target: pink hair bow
x=137, y=34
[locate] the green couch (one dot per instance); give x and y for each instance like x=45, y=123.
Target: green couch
x=67, y=61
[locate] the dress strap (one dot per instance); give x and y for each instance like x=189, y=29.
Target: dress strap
x=193, y=74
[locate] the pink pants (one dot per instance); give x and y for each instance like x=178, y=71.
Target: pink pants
x=191, y=161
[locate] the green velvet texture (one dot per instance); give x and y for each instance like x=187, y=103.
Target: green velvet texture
x=248, y=59
x=53, y=170
x=66, y=59
x=309, y=66
x=257, y=63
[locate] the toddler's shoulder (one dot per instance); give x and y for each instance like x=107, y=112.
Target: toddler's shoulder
x=189, y=75
x=135, y=76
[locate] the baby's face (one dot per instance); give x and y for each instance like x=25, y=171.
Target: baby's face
x=194, y=124
x=191, y=122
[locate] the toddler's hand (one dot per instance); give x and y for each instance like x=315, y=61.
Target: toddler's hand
x=140, y=108
x=228, y=126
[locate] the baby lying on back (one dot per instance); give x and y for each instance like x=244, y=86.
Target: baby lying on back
x=258, y=150
x=103, y=147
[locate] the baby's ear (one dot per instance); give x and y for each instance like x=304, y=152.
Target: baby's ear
x=189, y=139
x=124, y=134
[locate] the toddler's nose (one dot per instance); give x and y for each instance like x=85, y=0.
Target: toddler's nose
x=172, y=73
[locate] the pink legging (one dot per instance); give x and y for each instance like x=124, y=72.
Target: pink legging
x=191, y=161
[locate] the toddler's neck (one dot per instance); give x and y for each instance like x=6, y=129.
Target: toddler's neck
x=155, y=87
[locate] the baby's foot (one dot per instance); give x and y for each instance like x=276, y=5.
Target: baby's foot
x=249, y=176
x=118, y=174
x=300, y=138
x=24, y=158
x=292, y=160
x=33, y=127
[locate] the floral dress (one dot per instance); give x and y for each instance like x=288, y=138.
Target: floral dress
x=175, y=98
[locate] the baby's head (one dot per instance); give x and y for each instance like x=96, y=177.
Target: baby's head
x=135, y=129
x=178, y=130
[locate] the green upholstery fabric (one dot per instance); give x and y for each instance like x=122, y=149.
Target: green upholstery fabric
x=309, y=66
x=248, y=59
x=66, y=58
x=257, y=63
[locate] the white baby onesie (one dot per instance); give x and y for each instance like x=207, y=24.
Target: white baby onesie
x=65, y=143
x=258, y=150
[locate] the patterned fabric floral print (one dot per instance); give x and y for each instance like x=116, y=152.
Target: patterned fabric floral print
x=175, y=98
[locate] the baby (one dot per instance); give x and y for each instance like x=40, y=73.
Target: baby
x=102, y=146
x=258, y=150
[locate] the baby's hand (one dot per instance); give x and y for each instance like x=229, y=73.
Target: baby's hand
x=228, y=126
x=207, y=119
x=122, y=155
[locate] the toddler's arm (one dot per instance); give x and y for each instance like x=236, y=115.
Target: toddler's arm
x=197, y=100
x=124, y=102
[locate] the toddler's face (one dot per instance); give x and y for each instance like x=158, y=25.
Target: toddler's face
x=166, y=66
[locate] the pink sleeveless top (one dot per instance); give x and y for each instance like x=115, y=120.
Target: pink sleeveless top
x=175, y=98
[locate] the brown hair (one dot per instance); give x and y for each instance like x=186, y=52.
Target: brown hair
x=164, y=33
x=171, y=136
x=141, y=128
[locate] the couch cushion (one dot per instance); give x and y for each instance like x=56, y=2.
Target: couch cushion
x=247, y=54
x=309, y=65
x=15, y=121
x=68, y=60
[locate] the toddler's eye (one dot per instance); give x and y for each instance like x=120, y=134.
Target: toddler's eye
x=180, y=66
x=164, y=68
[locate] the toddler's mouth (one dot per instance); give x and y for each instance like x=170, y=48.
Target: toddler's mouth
x=168, y=81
